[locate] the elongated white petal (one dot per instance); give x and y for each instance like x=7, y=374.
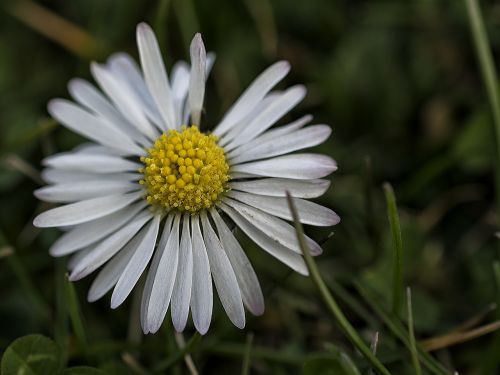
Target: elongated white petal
x=155, y=74
x=181, y=294
x=61, y=176
x=247, y=279
x=304, y=138
x=126, y=70
x=153, y=268
x=197, y=78
x=90, y=163
x=72, y=192
x=237, y=129
x=77, y=257
x=180, y=88
x=223, y=275
x=271, y=134
x=309, y=212
x=280, y=252
x=268, y=117
x=296, y=166
x=90, y=97
x=253, y=95
x=108, y=247
x=277, y=187
x=83, y=211
x=273, y=227
x=163, y=283
x=124, y=99
x=109, y=274
x=202, y=293
x=88, y=233
x=92, y=127
x=144, y=246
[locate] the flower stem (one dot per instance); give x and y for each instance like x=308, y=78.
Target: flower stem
x=334, y=308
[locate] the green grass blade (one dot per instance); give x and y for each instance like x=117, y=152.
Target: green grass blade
x=398, y=330
x=489, y=75
x=75, y=315
x=334, y=308
x=397, y=263
x=411, y=334
x=247, y=358
x=191, y=345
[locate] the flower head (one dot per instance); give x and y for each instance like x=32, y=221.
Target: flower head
x=151, y=190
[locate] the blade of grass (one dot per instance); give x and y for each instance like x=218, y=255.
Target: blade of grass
x=57, y=29
x=247, y=358
x=61, y=328
x=398, y=330
x=454, y=338
x=334, y=308
x=373, y=347
x=489, y=75
x=75, y=315
x=397, y=261
x=411, y=334
x=162, y=366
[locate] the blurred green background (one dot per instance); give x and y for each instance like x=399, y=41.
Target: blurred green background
x=400, y=85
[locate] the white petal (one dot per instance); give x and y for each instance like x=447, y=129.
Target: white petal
x=153, y=268
x=87, y=210
x=309, y=212
x=164, y=280
x=92, y=127
x=304, y=138
x=101, y=253
x=253, y=95
x=280, y=252
x=125, y=69
x=182, y=291
x=124, y=99
x=91, y=163
x=238, y=128
x=108, y=276
x=90, y=97
x=223, y=275
x=71, y=192
x=202, y=294
x=144, y=245
x=180, y=88
x=296, y=166
x=77, y=257
x=268, y=117
x=155, y=74
x=197, y=78
x=274, y=133
x=273, y=227
x=88, y=233
x=247, y=279
x=61, y=176
x=277, y=187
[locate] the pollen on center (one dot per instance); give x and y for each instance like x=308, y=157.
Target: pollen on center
x=184, y=170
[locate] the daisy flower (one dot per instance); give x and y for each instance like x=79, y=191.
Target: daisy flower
x=151, y=191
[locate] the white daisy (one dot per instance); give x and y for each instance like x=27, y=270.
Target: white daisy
x=150, y=190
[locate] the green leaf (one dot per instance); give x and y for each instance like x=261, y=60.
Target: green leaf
x=82, y=370
x=31, y=355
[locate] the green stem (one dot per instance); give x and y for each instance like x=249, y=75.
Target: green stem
x=489, y=75
x=411, y=334
x=334, y=308
x=247, y=358
x=177, y=356
x=75, y=315
x=397, y=259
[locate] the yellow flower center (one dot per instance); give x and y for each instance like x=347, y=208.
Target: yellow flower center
x=184, y=170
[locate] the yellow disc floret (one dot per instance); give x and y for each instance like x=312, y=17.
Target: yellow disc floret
x=184, y=170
